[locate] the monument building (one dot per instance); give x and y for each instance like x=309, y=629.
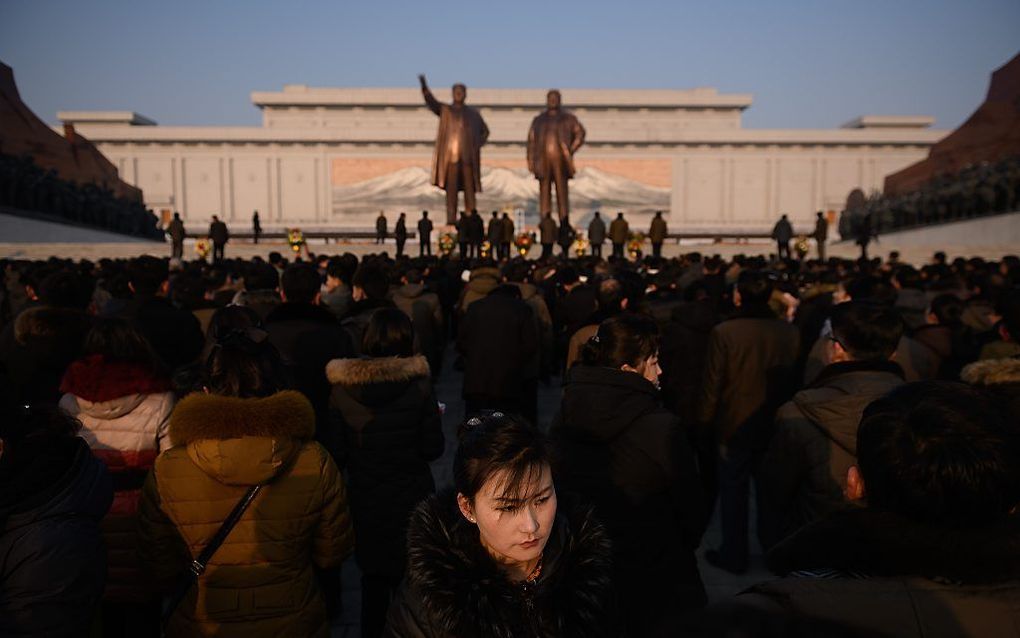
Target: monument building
x=334, y=157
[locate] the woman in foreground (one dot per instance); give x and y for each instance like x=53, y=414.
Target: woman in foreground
x=501, y=558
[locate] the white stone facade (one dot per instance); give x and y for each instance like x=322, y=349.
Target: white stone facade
x=332, y=158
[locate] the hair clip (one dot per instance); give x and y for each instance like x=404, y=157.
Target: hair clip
x=595, y=338
x=473, y=422
x=498, y=415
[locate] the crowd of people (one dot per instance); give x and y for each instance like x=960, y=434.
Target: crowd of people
x=976, y=190
x=196, y=448
x=24, y=185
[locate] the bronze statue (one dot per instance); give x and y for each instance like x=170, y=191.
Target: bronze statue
x=554, y=137
x=456, y=161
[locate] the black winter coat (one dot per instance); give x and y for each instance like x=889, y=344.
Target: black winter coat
x=454, y=588
x=307, y=338
x=803, y=473
x=390, y=428
x=37, y=347
x=631, y=458
x=886, y=575
x=52, y=556
x=498, y=339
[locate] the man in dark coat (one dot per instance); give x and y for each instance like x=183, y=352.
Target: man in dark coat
x=803, y=474
x=821, y=234
x=400, y=233
x=464, y=234
x=380, y=228
x=748, y=373
x=498, y=340
x=426, y=314
x=308, y=336
x=630, y=457
x=53, y=495
x=256, y=227
x=657, y=232
x=547, y=235
x=424, y=234
x=219, y=235
x=369, y=290
x=619, y=233
x=174, y=333
x=565, y=238
x=934, y=552
x=177, y=234
x=476, y=234
x=596, y=234
x=507, y=238
x=782, y=232
x=495, y=235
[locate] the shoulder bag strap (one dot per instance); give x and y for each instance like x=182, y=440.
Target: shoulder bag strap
x=197, y=566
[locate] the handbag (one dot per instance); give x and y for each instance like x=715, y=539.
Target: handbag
x=197, y=566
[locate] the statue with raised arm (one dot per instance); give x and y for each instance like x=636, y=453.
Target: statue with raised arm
x=456, y=161
x=555, y=136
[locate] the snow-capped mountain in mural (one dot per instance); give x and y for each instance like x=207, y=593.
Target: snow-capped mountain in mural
x=411, y=188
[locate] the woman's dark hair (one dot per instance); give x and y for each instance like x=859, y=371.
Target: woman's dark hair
x=626, y=339
x=939, y=452
x=118, y=339
x=241, y=361
x=494, y=442
x=389, y=333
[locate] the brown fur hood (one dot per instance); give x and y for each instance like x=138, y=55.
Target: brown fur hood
x=199, y=416
x=366, y=371
x=992, y=372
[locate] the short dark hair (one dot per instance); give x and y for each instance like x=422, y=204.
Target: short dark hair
x=300, y=283
x=372, y=280
x=493, y=442
x=389, y=333
x=868, y=331
x=908, y=277
x=147, y=274
x=626, y=339
x=939, y=452
x=948, y=309
x=64, y=289
x=261, y=276
x=755, y=287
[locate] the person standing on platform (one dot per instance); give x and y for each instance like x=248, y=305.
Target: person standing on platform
x=424, y=234
x=657, y=233
x=456, y=161
x=596, y=234
x=476, y=234
x=821, y=234
x=177, y=235
x=495, y=236
x=400, y=233
x=380, y=228
x=547, y=231
x=619, y=232
x=782, y=232
x=508, y=235
x=566, y=237
x=463, y=233
x=219, y=235
x=256, y=226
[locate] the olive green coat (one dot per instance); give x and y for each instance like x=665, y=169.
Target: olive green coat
x=261, y=581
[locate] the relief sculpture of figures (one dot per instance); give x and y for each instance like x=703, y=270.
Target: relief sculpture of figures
x=456, y=161
x=555, y=136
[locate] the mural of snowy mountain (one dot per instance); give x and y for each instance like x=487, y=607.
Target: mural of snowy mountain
x=411, y=189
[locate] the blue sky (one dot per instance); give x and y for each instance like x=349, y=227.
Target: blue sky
x=807, y=64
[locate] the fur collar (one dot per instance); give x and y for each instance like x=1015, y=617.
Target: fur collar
x=209, y=416
x=463, y=592
x=96, y=379
x=992, y=372
x=366, y=371
x=885, y=544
